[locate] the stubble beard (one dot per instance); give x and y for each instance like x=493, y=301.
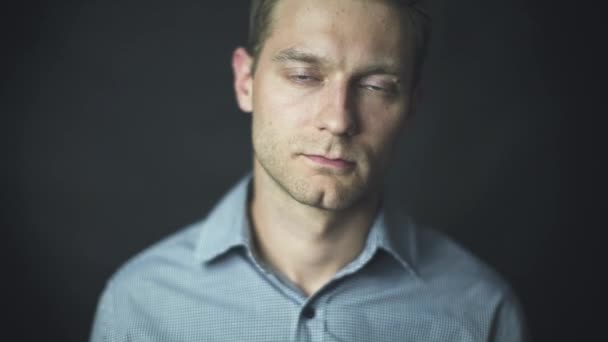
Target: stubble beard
x=337, y=193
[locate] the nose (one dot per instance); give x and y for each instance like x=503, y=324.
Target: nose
x=337, y=113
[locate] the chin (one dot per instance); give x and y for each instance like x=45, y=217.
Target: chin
x=334, y=197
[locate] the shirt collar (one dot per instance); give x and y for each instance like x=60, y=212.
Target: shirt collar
x=227, y=227
x=393, y=233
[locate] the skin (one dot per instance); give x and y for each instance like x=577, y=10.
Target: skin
x=331, y=93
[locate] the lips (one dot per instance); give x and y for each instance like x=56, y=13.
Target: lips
x=334, y=163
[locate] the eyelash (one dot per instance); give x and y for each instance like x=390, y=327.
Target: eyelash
x=309, y=79
x=388, y=91
x=300, y=78
x=373, y=87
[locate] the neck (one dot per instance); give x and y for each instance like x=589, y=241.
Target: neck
x=306, y=244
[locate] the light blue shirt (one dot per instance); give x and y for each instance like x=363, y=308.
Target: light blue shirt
x=205, y=283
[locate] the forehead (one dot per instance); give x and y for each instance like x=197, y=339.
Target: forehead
x=342, y=30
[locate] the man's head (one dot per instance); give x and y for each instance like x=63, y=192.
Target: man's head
x=334, y=83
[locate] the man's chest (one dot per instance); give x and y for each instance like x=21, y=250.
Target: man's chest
x=253, y=308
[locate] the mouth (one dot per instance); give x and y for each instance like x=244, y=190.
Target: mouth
x=332, y=163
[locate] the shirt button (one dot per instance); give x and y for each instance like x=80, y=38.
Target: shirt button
x=308, y=312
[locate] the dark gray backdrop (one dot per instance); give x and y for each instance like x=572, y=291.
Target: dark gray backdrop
x=120, y=127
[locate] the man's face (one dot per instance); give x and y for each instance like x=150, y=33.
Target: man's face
x=331, y=91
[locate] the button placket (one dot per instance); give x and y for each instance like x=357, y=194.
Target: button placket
x=317, y=325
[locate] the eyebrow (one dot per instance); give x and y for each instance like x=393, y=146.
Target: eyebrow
x=293, y=54
x=380, y=69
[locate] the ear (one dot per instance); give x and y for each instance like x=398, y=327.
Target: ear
x=243, y=80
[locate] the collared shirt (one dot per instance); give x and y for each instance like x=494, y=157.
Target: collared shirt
x=205, y=283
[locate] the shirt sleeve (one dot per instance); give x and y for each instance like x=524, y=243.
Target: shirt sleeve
x=509, y=323
x=102, y=330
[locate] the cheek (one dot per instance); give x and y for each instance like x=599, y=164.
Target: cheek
x=286, y=106
x=380, y=134
x=382, y=122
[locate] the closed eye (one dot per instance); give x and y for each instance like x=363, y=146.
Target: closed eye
x=373, y=87
x=303, y=78
x=378, y=89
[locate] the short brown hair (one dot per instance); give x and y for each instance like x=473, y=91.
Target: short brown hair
x=260, y=20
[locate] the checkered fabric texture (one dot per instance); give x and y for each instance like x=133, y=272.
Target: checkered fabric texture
x=205, y=283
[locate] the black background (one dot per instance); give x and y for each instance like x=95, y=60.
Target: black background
x=119, y=126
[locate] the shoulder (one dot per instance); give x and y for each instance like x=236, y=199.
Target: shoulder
x=177, y=259
x=439, y=257
x=463, y=285
x=453, y=273
x=171, y=257
x=147, y=283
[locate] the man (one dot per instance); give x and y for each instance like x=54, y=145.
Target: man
x=305, y=249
